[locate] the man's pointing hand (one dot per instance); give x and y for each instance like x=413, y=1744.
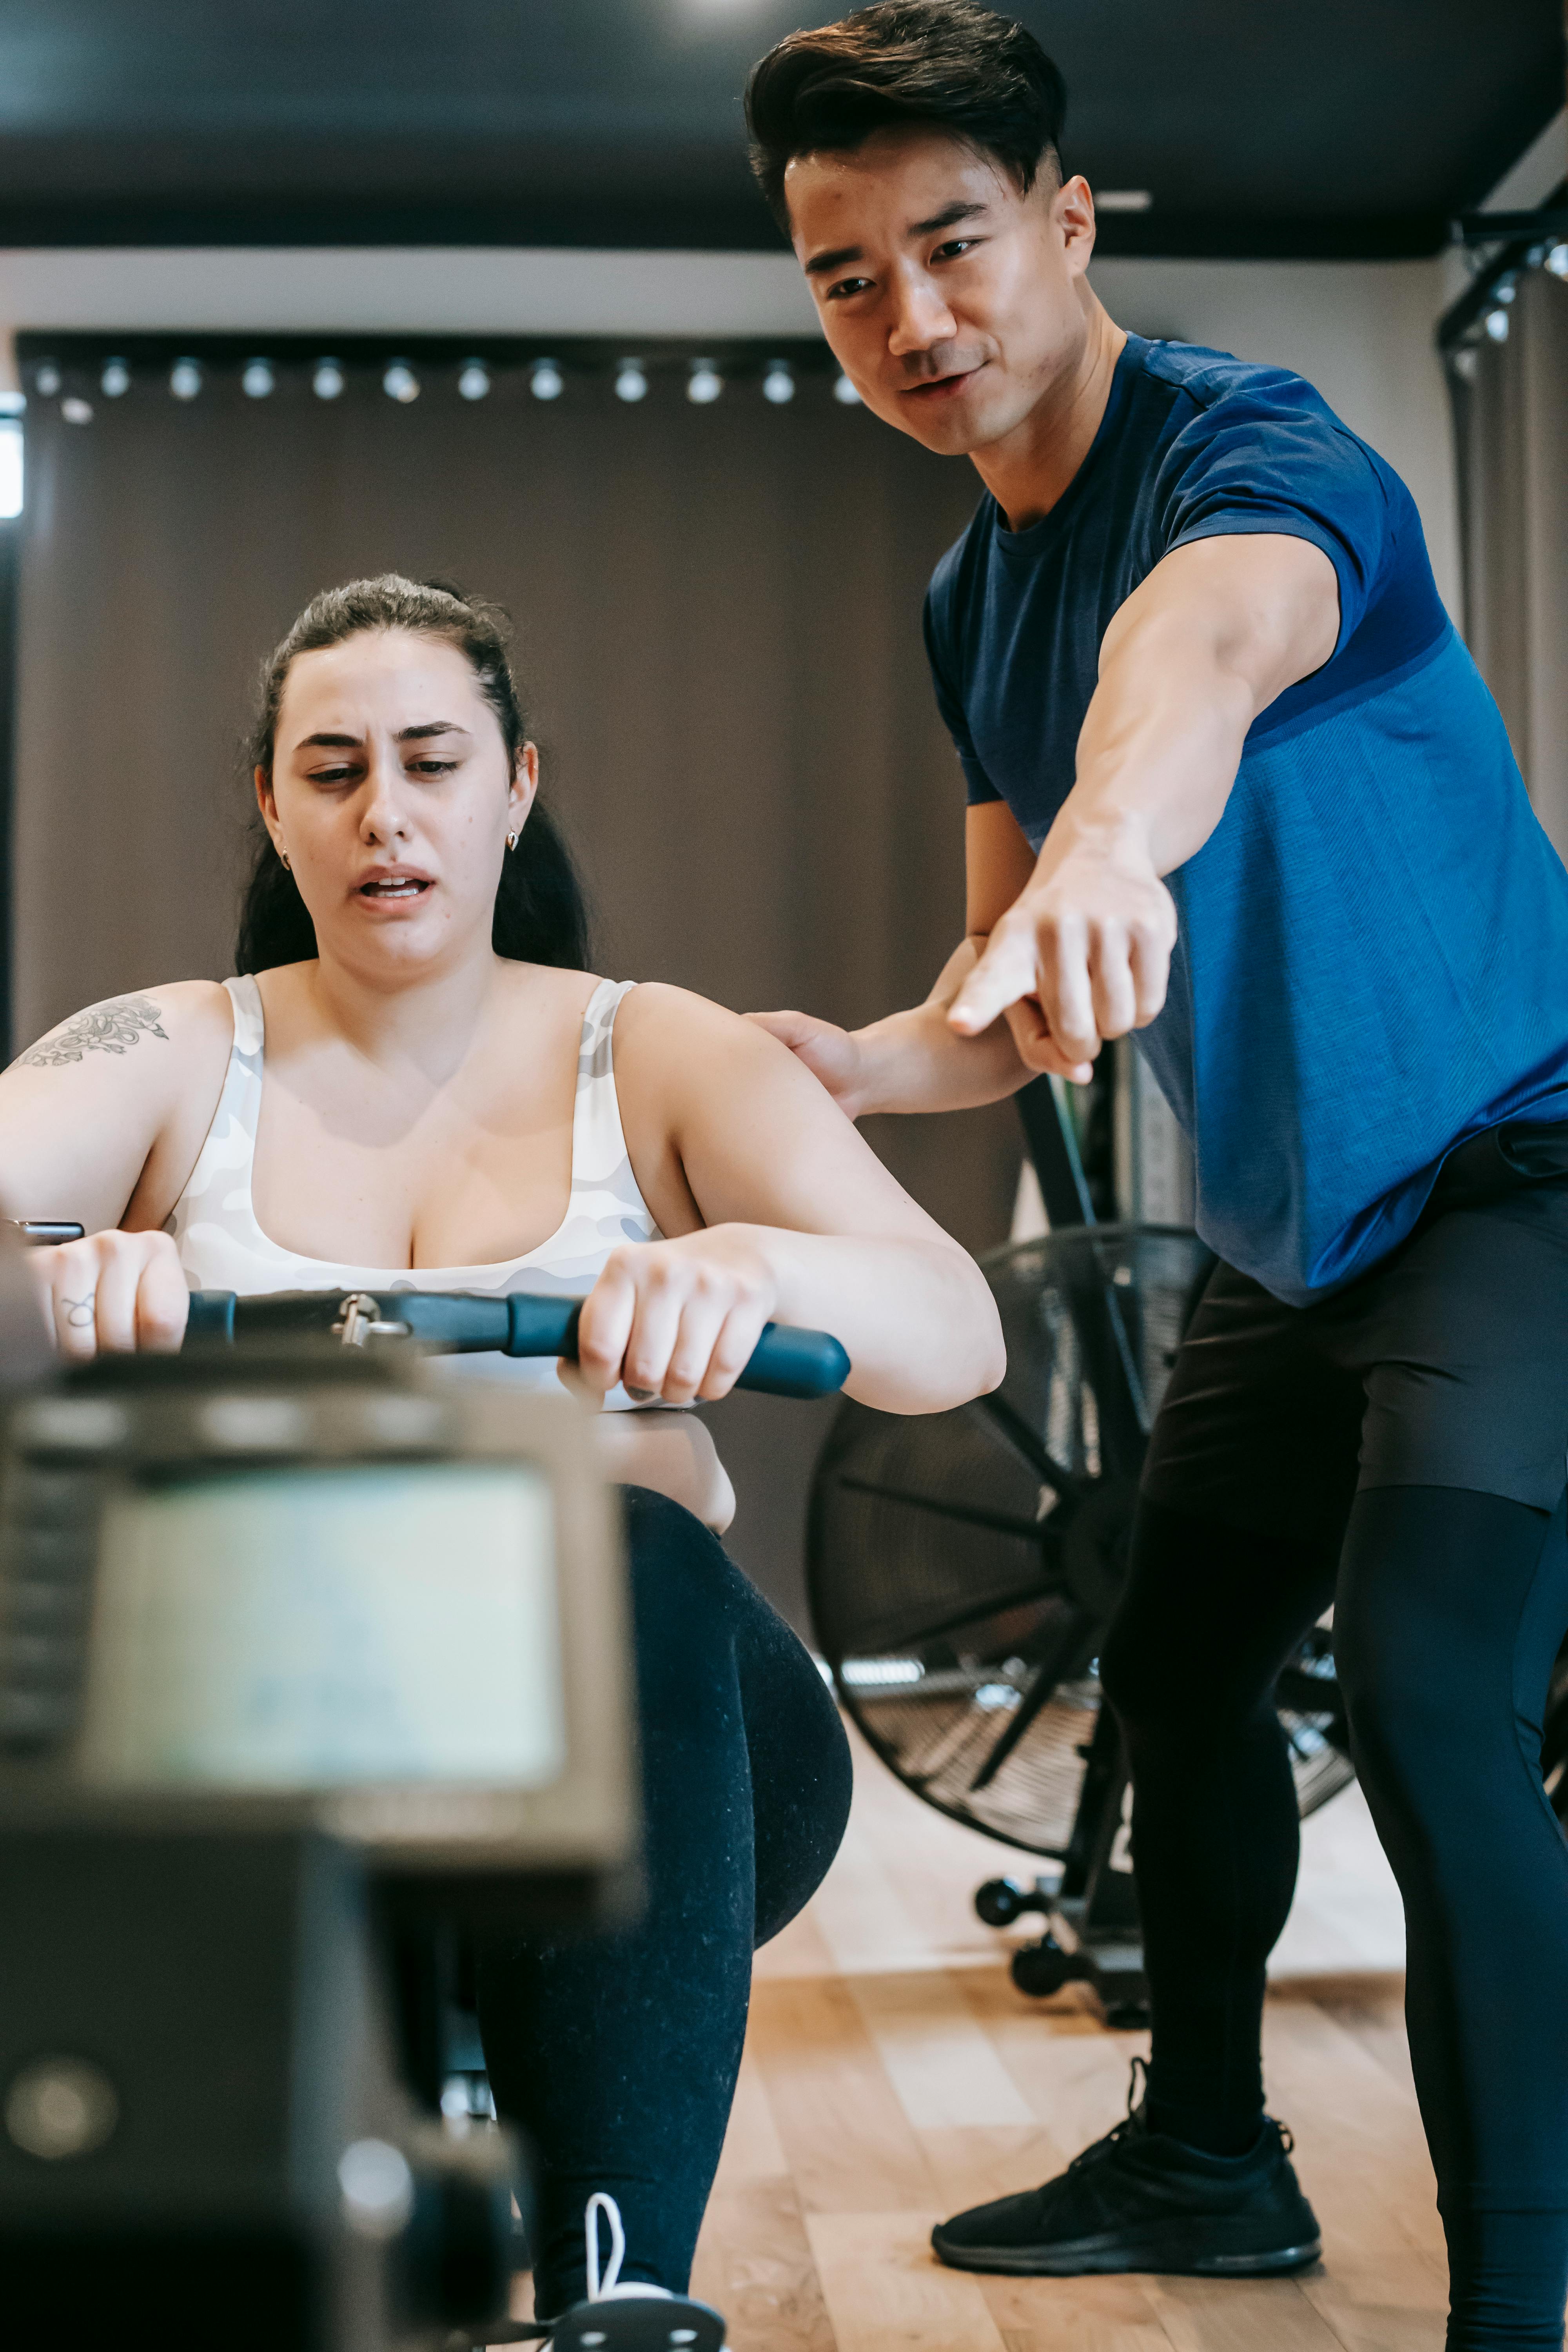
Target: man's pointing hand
x=1083, y=954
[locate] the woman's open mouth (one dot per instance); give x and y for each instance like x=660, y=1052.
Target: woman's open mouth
x=395, y=888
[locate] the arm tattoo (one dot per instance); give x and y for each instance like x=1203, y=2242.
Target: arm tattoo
x=110, y=1028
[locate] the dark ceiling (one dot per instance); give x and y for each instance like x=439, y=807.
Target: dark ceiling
x=1258, y=127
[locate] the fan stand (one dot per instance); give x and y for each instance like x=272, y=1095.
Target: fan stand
x=1093, y=1933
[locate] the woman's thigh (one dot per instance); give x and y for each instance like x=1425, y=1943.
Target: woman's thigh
x=735, y=1712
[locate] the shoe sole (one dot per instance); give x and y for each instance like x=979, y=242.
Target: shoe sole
x=1098, y=2256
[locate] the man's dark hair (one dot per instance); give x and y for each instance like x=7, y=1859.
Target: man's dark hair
x=946, y=64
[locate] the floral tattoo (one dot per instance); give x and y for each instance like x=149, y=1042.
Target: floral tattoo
x=112, y=1028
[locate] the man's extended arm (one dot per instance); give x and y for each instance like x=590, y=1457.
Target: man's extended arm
x=1078, y=950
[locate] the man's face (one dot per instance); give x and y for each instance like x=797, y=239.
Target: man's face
x=949, y=301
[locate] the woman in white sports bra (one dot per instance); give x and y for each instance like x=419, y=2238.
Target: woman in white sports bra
x=415, y=1082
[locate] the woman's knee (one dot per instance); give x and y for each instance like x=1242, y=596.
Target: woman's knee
x=685, y=1588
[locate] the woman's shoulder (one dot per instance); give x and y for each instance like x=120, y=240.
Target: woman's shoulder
x=192, y=1015
x=682, y=1047
x=656, y=1016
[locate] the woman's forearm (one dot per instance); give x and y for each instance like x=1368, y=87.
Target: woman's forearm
x=916, y=1317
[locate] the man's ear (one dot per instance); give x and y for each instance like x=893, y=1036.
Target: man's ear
x=1072, y=210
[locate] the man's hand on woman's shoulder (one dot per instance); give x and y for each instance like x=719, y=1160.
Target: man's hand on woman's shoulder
x=832, y=1054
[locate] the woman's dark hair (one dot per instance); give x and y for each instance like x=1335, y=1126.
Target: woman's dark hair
x=539, y=916
x=943, y=63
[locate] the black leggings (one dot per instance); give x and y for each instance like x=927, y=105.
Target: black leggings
x=1448, y=1610
x=617, y=2056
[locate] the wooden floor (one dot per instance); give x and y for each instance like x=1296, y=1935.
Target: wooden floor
x=893, y=2075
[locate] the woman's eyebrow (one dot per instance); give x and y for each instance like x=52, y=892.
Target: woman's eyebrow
x=420, y=734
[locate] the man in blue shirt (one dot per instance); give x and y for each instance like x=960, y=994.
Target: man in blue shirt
x=1234, y=785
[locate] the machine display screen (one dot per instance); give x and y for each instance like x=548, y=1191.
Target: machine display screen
x=306, y=1629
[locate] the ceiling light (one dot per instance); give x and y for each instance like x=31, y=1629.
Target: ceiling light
x=11, y=467
x=545, y=381
x=115, y=380
x=1496, y=324
x=74, y=411
x=704, y=382
x=1464, y=363
x=631, y=383
x=474, y=381
x=778, y=384
x=1557, y=261
x=257, y=381
x=400, y=383
x=843, y=390
x=185, y=379
x=328, y=380
x=47, y=378
x=1122, y=200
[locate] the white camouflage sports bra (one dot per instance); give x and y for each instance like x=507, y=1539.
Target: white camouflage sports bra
x=222, y=1248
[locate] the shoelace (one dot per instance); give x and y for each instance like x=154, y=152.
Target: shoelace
x=608, y=2286
x=1137, y=2091
x=611, y=2284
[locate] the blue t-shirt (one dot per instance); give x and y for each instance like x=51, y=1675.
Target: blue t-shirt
x=1372, y=956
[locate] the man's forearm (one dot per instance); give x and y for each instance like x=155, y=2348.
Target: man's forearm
x=912, y=1061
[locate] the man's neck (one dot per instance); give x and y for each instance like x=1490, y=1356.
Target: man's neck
x=1028, y=471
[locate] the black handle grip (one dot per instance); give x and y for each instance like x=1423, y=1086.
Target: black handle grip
x=784, y=1362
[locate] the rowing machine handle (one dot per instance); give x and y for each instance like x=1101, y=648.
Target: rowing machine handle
x=786, y=1362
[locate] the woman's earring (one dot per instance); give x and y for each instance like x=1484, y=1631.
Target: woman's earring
x=283, y=854
x=512, y=839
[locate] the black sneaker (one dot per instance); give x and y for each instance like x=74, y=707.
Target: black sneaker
x=1139, y=2201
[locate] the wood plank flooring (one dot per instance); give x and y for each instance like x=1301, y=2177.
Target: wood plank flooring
x=892, y=2075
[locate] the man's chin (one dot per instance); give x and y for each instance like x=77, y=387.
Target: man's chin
x=951, y=429
x=952, y=425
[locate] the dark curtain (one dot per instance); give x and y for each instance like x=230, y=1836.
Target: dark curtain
x=719, y=613
x=1510, y=411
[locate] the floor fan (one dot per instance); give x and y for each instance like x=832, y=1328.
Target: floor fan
x=962, y=1566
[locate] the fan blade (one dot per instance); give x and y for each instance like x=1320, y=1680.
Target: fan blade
x=1048, y=1674
x=969, y=1515
x=1025, y=1441
x=1044, y=1586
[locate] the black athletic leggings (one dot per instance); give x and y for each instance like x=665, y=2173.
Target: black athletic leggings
x=617, y=2056
x=1448, y=1610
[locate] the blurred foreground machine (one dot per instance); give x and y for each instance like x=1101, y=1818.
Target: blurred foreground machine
x=246, y=1739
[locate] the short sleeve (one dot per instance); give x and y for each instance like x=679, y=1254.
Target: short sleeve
x=1274, y=458
x=978, y=786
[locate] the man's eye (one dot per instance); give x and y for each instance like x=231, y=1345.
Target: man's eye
x=954, y=249
x=843, y=287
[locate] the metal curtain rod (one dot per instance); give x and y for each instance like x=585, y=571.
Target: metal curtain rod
x=1521, y=241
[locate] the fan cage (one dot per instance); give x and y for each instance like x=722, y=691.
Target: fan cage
x=958, y=1561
